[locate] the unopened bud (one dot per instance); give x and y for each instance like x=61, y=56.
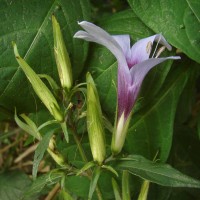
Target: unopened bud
x=95, y=122
x=58, y=158
x=62, y=57
x=39, y=87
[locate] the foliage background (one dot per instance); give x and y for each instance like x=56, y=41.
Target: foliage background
x=166, y=117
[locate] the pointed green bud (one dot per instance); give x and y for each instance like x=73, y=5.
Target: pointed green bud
x=62, y=57
x=39, y=87
x=95, y=122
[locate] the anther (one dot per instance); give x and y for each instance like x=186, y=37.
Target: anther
x=149, y=47
x=160, y=50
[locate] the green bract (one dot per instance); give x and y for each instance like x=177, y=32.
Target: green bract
x=40, y=88
x=62, y=57
x=94, y=122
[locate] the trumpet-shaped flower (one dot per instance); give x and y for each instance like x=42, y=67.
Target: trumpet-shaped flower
x=133, y=65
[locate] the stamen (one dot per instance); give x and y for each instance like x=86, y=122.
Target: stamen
x=156, y=46
x=149, y=47
x=160, y=50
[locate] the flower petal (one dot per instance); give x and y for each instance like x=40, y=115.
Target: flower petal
x=124, y=43
x=139, y=71
x=141, y=50
x=96, y=34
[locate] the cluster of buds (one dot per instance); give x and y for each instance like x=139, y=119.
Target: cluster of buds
x=64, y=71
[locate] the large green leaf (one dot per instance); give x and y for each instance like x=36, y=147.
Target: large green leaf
x=13, y=184
x=151, y=129
x=195, y=7
x=28, y=23
x=162, y=174
x=175, y=20
x=38, y=185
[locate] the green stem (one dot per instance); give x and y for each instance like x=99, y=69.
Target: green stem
x=125, y=185
x=144, y=190
x=84, y=158
x=80, y=148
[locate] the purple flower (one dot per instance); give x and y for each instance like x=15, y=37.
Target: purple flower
x=133, y=65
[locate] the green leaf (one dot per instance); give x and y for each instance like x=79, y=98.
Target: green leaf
x=162, y=174
x=31, y=28
x=65, y=131
x=65, y=196
x=13, y=184
x=39, y=152
x=195, y=7
x=32, y=130
x=86, y=167
x=37, y=186
x=151, y=129
x=51, y=82
x=78, y=185
x=111, y=169
x=93, y=183
x=177, y=23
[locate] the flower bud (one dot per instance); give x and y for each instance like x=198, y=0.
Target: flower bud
x=40, y=88
x=95, y=122
x=62, y=57
x=58, y=158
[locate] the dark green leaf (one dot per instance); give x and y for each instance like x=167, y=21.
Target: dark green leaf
x=78, y=185
x=173, y=19
x=195, y=7
x=94, y=180
x=151, y=129
x=162, y=174
x=13, y=184
x=47, y=179
x=39, y=152
x=86, y=167
x=31, y=28
x=109, y=168
x=32, y=130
